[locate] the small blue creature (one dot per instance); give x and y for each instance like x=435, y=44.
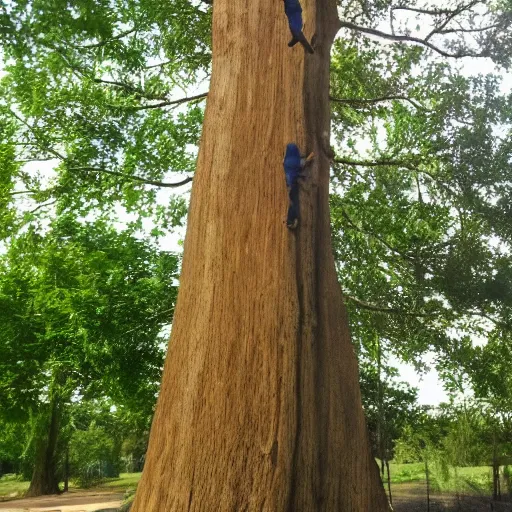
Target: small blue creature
x=293, y=165
x=293, y=11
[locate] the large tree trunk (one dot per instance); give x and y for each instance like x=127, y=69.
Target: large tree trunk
x=260, y=406
x=44, y=478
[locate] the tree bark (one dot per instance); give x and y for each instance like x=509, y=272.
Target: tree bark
x=66, y=470
x=260, y=407
x=390, y=496
x=44, y=478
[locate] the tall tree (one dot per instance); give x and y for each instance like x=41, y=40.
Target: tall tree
x=260, y=404
x=90, y=88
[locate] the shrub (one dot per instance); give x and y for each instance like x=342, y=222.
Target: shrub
x=93, y=456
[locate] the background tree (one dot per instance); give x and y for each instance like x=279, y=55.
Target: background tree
x=82, y=309
x=389, y=405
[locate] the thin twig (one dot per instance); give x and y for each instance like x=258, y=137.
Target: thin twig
x=106, y=41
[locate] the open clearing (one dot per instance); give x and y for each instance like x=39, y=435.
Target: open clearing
x=408, y=496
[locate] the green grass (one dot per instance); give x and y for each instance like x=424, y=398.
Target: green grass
x=472, y=480
x=401, y=473
x=125, y=481
x=9, y=485
x=469, y=480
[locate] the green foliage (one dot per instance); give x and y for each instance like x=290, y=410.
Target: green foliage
x=12, y=446
x=93, y=456
x=420, y=189
x=389, y=406
x=86, y=301
x=93, y=129
x=83, y=307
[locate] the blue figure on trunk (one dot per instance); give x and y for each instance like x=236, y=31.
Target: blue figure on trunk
x=293, y=11
x=293, y=165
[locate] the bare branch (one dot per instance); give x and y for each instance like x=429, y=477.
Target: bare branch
x=376, y=163
x=169, y=102
x=21, y=192
x=160, y=65
x=468, y=30
x=360, y=102
x=28, y=160
x=129, y=177
x=450, y=17
x=410, y=39
x=412, y=165
x=430, y=12
x=43, y=205
x=381, y=309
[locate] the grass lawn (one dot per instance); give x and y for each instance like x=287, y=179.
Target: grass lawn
x=470, y=480
x=9, y=485
x=401, y=473
x=125, y=481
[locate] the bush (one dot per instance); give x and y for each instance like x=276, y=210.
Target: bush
x=93, y=457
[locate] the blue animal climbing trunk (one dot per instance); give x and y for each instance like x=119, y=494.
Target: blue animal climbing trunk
x=293, y=11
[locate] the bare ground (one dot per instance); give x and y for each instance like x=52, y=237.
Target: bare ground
x=408, y=497
x=73, y=501
x=412, y=497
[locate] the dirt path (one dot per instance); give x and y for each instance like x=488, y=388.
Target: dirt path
x=412, y=497
x=408, y=497
x=74, y=501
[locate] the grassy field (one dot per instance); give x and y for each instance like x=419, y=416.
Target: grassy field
x=471, y=480
x=11, y=486
x=125, y=481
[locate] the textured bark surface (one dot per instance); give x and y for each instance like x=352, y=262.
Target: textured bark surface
x=260, y=406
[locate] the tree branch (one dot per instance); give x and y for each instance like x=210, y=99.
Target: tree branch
x=106, y=41
x=43, y=146
x=22, y=192
x=410, y=39
x=376, y=163
x=411, y=165
x=160, y=65
x=463, y=30
x=169, y=102
x=146, y=181
x=358, y=101
x=46, y=147
x=43, y=205
x=403, y=255
x=430, y=12
x=381, y=309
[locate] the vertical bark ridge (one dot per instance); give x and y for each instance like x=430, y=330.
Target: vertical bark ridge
x=252, y=413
